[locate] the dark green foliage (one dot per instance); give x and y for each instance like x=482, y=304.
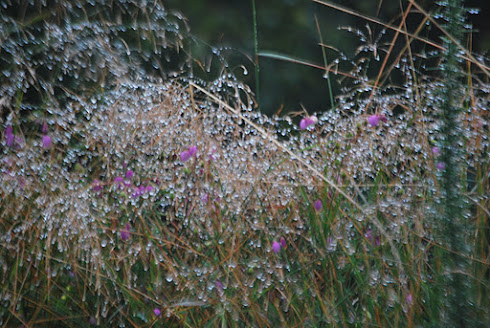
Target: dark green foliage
x=458, y=293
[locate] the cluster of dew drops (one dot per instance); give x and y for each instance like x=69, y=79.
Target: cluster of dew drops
x=128, y=167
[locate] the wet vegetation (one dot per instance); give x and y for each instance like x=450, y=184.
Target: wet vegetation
x=142, y=187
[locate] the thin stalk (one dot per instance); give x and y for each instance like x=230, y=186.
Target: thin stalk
x=256, y=53
x=325, y=62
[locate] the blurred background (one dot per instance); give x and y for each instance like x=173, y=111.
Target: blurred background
x=288, y=27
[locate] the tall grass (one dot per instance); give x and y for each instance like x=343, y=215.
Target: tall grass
x=256, y=53
x=173, y=203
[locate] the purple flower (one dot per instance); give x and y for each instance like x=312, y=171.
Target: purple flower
x=92, y=321
x=205, y=198
x=435, y=150
x=9, y=135
x=219, y=285
x=192, y=150
x=138, y=191
x=441, y=166
x=129, y=174
x=276, y=247
x=125, y=232
x=97, y=185
x=157, y=312
x=283, y=242
x=149, y=188
x=46, y=141
x=318, y=205
x=303, y=124
x=409, y=299
x=45, y=128
x=373, y=120
x=307, y=121
x=118, y=180
x=368, y=234
x=184, y=156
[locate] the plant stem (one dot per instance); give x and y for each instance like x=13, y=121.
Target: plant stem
x=256, y=52
x=325, y=62
x=454, y=228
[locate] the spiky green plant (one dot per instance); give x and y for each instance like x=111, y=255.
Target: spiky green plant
x=457, y=290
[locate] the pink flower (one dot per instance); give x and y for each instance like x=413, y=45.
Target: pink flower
x=192, y=150
x=138, y=191
x=318, y=205
x=157, y=312
x=185, y=155
x=373, y=120
x=11, y=139
x=9, y=135
x=219, y=286
x=125, y=232
x=97, y=185
x=368, y=235
x=46, y=141
x=276, y=247
x=44, y=128
x=307, y=121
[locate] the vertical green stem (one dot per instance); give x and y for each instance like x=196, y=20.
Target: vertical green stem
x=325, y=63
x=256, y=51
x=453, y=229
